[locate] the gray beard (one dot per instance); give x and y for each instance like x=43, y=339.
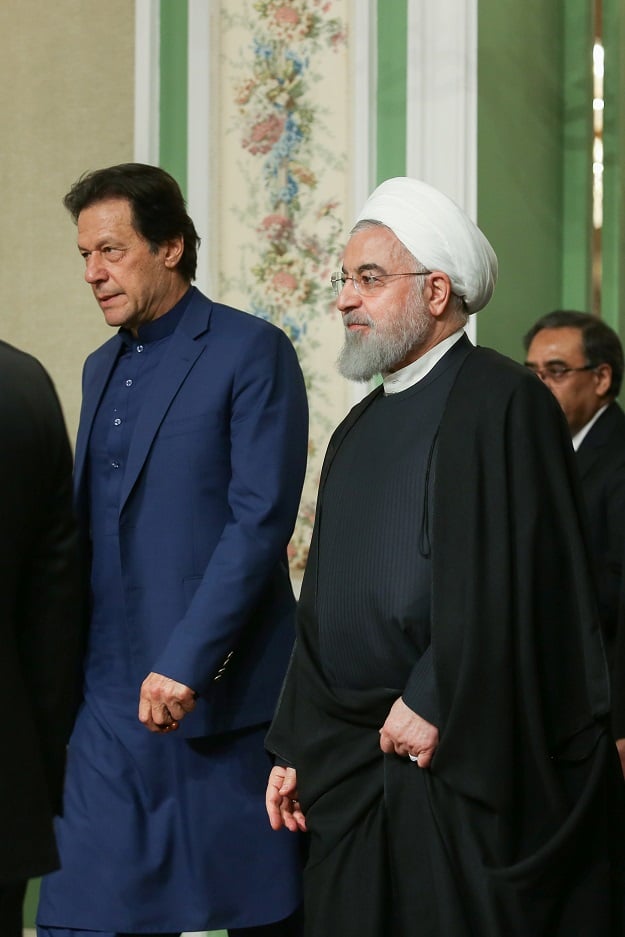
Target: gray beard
x=378, y=352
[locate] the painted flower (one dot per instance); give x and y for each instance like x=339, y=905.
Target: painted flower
x=286, y=16
x=284, y=282
x=276, y=227
x=303, y=174
x=265, y=134
x=245, y=92
x=299, y=234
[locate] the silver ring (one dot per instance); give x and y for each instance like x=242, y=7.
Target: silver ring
x=413, y=757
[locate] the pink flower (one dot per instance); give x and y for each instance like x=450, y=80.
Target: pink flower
x=284, y=282
x=245, y=92
x=276, y=227
x=264, y=135
x=286, y=16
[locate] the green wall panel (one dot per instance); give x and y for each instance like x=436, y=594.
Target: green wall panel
x=577, y=157
x=520, y=147
x=173, y=89
x=391, y=106
x=613, y=239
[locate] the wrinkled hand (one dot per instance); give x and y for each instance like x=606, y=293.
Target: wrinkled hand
x=164, y=702
x=281, y=800
x=406, y=733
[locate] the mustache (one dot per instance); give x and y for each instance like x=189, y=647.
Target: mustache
x=353, y=318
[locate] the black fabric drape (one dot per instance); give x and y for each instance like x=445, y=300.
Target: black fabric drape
x=518, y=828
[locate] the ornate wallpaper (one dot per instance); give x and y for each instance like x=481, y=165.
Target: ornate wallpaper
x=281, y=190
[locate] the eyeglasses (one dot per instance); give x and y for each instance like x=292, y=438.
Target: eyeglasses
x=366, y=283
x=557, y=372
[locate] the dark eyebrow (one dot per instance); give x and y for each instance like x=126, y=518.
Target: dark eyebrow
x=551, y=361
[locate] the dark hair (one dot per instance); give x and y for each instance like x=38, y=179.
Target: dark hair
x=600, y=343
x=158, y=207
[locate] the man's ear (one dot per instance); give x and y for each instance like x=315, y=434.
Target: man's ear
x=438, y=292
x=603, y=379
x=174, y=249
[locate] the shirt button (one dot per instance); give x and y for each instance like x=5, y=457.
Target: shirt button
x=129, y=382
x=139, y=348
x=115, y=465
x=117, y=421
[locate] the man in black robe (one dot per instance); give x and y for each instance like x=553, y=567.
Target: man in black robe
x=442, y=732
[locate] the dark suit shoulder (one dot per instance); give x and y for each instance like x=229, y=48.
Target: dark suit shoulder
x=28, y=397
x=21, y=362
x=608, y=431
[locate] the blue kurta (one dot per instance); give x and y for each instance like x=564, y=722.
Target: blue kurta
x=143, y=811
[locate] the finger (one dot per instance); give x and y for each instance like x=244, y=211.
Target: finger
x=298, y=816
x=162, y=717
x=145, y=710
x=422, y=759
x=286, y=812
x=177, y=709
x=272, y=805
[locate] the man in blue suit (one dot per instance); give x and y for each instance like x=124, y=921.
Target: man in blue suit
x=190, y=460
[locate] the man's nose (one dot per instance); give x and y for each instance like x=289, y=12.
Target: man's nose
x=349, y=297
x=94, y=268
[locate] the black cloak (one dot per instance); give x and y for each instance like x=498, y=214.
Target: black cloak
x=517, y=829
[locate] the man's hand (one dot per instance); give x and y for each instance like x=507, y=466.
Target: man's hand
x=163, y=703
x=281, y=800
x=406, y=733
x=620, y=744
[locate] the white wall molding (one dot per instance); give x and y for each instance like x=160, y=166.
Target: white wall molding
x=364, y=66
x=441, y=118
x=441, y=108
x=362, y=158
x=147, y=81
x=201, y=135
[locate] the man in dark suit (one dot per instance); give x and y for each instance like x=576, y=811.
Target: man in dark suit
x=580, y=358
x=40, y=622
x=190, y=460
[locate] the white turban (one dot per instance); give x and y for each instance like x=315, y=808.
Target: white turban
x=439, y=234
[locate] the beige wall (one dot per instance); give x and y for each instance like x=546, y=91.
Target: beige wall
x=66, y=100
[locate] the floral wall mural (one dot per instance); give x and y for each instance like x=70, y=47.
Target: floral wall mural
x=283, y=112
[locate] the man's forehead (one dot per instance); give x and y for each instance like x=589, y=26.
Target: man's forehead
x=372, y=247
x=101, y=218
x=556, y=343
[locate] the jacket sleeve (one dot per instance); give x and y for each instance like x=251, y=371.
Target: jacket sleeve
x=268, y=449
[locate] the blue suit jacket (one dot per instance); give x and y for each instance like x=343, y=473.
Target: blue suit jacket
x=209, y=499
